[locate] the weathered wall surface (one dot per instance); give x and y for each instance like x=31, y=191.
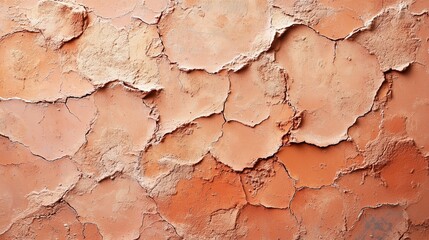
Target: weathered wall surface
x=201, y=119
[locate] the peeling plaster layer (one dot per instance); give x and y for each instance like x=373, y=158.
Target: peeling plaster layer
x=59, y=21
x=391, y=37
x=33, y=72
x=45, y=128
x=200, y=119
x=29, y=183
x=210, y=36
x=332, y=83
x=314, y=167
x=125, y=200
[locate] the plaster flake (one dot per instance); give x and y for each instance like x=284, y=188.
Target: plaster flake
x=268, y=184
x=191, y=213
x=401, y=179
x=173, y=148
x=32, y=72
x=122, y=128
x=123, y=14
x=200, y=119
x=411, y=104
x=126, y=202
x=236, y=135
x=419, y=6
x=209, y=36
x=365, y=129
x=106, y=54
x=260, y=222
x=391, y=24
x=260, y=86
x=317, y=210
x=23, y=176
x=15, y=15
x=187, y=96
x=45, y=128
x=59, y=21
x=339, y=87
x=418, y=211
x=315, y=167
x=154, y=227
x=59, y=222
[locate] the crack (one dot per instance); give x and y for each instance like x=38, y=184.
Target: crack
x=84, y=227
x=28, y=148
x=68, y=109
x=163, y=218
x=335, y=52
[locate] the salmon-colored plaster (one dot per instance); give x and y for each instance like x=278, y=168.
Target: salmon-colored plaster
x=203, y=119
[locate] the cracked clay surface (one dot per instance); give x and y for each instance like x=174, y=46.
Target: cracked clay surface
x=201, y=119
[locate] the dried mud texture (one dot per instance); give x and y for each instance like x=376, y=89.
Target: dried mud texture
x=199, y=119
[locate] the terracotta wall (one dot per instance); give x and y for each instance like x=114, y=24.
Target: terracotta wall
x=203, y=119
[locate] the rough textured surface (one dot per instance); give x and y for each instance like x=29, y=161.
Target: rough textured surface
x=332, y=83
x=33, y=72
x=201, y=119
x=391, y=37
x=51, y=131
x=206, y=35
x=59, y=21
